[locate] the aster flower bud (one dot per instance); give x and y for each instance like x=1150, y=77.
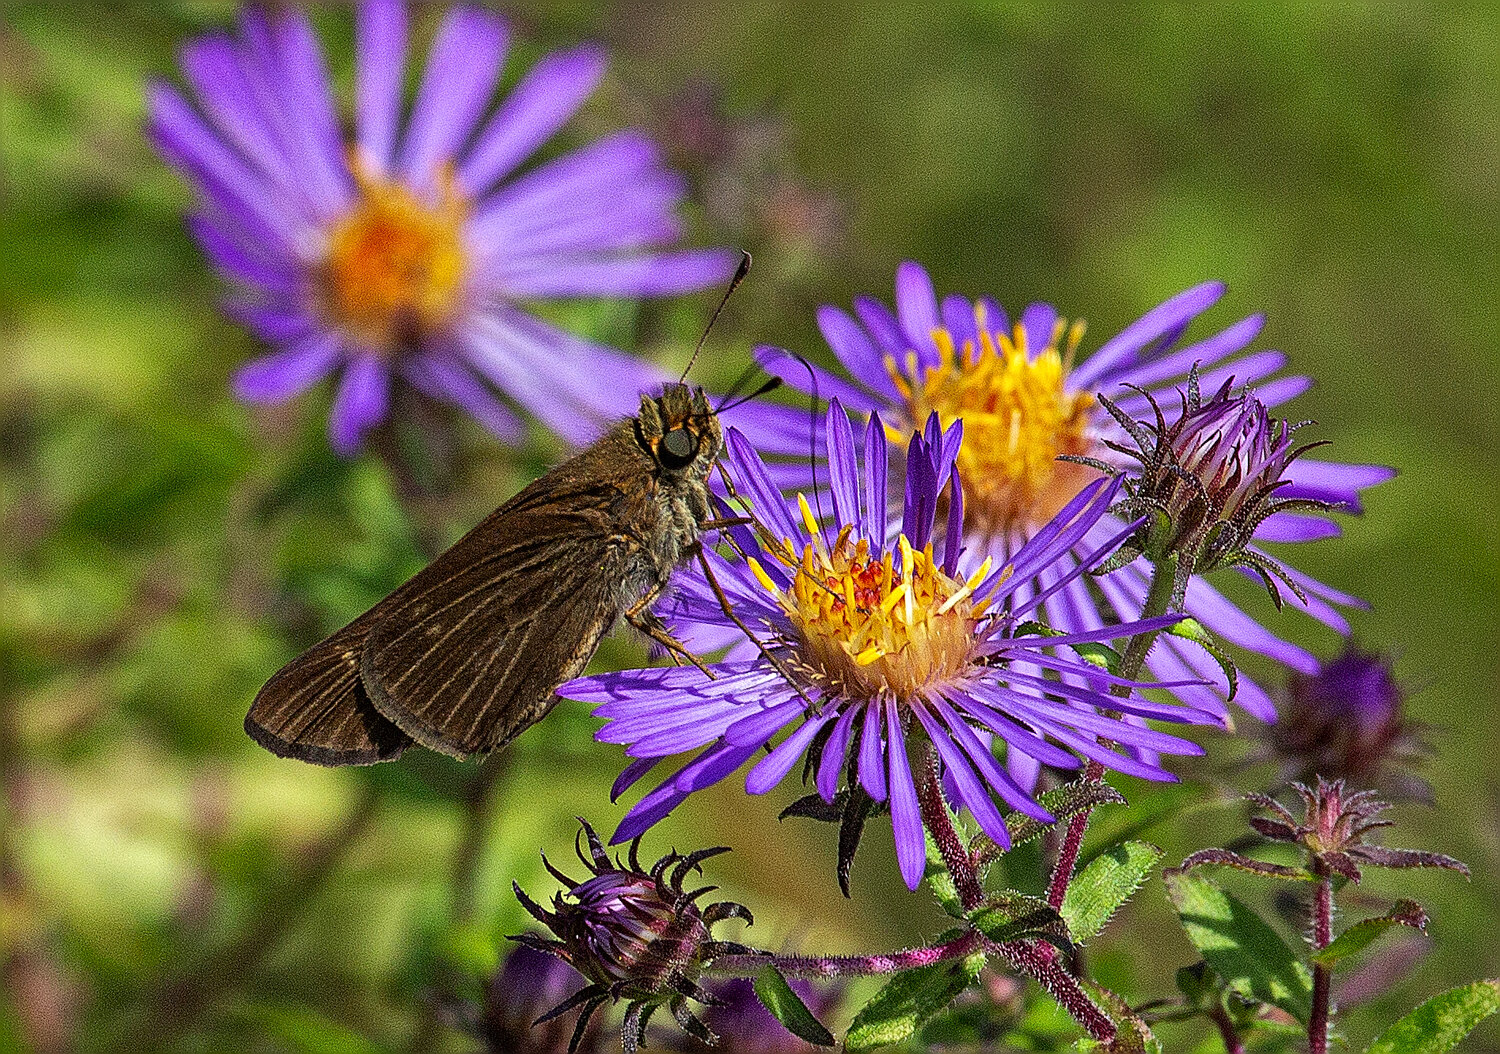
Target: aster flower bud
x=1209, y=479
x=1347, y=721
x=528, y=984
x=1334, y=827
x=637, y=935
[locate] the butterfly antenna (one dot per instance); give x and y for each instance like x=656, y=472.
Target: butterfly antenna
x=734, y=283
x=771, y=384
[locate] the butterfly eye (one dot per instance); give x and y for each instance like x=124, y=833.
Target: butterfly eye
x=678, y=448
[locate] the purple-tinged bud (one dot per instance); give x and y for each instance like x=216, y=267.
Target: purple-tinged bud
x=1207, y=480
x=1348, y=721
x=1334, y=827
x=637, y=935
x=529, y=984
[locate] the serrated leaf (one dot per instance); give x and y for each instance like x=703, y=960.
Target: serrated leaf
x=908, y=1001
x=1241, y=947
x=786, y=1006
x=1063, y=802
x=1011, y=916
x=1229, y=858
x=1362, y=934
x=1109, y=880
x=1442, y=1022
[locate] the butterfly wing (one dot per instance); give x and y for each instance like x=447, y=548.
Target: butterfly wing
x=316, y=708
x=472, y=649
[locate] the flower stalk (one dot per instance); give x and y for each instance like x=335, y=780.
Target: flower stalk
x=1322, y=935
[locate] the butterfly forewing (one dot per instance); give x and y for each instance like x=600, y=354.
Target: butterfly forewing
x=470, y=655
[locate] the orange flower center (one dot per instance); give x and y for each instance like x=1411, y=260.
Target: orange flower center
x=395, y=266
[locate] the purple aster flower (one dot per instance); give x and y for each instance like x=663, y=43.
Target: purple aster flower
x=1024, y=400
x=528, y=985
x=1348, y=721
x=637, y=935
x=878, y=638
x=408, y=247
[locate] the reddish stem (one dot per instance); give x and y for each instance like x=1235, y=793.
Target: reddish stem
x=1227, y=1032
x=1067, y=857
x=848, y=965
x=1322, y=936
x=950, y=843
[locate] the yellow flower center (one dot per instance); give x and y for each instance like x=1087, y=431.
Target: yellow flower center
x=864, y=627
x=1018, y=417
x=395, y=265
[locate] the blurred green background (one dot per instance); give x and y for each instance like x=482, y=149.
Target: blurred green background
x=169, y=885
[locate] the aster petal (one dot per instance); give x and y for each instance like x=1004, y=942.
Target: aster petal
x=1039, y=320
x=1121, y=349
x=971, y=792
x=279, y=376
x=211, y=66
x=631, y=775
x=916, y=307
x=1282, y=389
x=236, y=263
x=799, y=373
x=906, y=816
x=626, y=685
x=442, y=377
x=467, y=54
x=880, y=322
x=1204, y=354
x=843, y=467
x=877, y=469
x=1015, y=794
x=959, y=321
x=1294, y=527
x=359, y=404
x=380, y=43
x=776, y=765
x=766, y=719
x=301, y=78
x=1226, y=620
x=182, y=137
x=544, y=100
x=714, y=768
x=753, y=484
x=835, y=753
x=659, y=274
x=858, y=354
x=273, y=324
x=872, y=753
x=1024, y=769
x=987, y=705
x=1332, y=481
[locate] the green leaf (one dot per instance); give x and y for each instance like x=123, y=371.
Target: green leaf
x=1193, y=630
x=1011, y=916
x=1240, y=946
x=1360, y=935
x=787, y=1007
x=1062, y=802
x=908, y=1001
x=1441, y=1022
x=1109, y=880
x=1132, y=1035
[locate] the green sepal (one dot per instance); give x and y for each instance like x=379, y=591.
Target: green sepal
x=910, y=999
x=1190, y=629
x=1362, y=934
x=1442, y=1022
x=1107, y=882
x=1241, y=947
x=786, y=1006
x=1062, y=802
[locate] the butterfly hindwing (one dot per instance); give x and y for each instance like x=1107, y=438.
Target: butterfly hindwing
x=316, y=708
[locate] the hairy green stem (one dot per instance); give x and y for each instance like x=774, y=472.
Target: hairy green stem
x=1163, y=587
x=815, y=966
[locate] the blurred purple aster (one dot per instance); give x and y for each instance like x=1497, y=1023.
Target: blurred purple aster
x=888, y=637
x=408, y=248
x=1024, y=401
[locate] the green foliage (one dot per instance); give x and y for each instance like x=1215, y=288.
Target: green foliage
x=1362, y=934
x=1442, y=1022
x=1240, y=946
x=786, y=1006
x=1010, y=916
x=908, y=1001
x=1104, y=884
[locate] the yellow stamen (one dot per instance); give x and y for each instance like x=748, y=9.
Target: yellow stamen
x=1018, y=415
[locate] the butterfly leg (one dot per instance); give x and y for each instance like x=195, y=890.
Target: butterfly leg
x=640, y=617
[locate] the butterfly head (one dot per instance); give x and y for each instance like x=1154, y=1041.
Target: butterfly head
x=679, y=430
